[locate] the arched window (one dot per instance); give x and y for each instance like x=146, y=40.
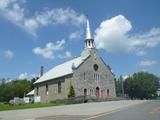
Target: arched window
x=37, y=90
x=59, y=87
x=85, y=92
x=89, y=42
x=46, y=89
x=107, y=92
x=96, y=77
x=90, y=91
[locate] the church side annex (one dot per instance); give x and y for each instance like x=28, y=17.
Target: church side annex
x=88, y=74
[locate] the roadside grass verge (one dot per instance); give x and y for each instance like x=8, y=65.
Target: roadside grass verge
x=76, y=100
x=4, y=107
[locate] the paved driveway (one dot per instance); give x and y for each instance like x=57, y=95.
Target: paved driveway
x=70, y=112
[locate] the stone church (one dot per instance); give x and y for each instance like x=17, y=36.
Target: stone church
x=88, y=74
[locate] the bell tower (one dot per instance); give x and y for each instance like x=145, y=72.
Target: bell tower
x=89, y=41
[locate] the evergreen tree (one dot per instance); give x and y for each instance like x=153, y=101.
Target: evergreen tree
x=71, y=92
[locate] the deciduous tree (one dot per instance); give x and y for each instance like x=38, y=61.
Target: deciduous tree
x=142, y=85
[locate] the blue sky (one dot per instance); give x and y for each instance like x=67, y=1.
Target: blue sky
x=50, y=32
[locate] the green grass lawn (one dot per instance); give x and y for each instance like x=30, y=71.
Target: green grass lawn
x=4, y=107
x=24, y=106
x=35, y=105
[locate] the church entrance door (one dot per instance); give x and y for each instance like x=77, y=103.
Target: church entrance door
x=97, y=92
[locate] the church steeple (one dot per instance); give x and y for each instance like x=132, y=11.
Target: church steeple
x=89, y=40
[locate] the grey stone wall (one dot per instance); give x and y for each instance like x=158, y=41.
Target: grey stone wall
x=52, y=93
x=101, y=78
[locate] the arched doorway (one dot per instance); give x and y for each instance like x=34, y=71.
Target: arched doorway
x=107, y=92
x=97, y=92
x=85, y=92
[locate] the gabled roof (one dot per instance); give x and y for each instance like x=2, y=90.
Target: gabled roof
x=30, y=93
x=62, y=69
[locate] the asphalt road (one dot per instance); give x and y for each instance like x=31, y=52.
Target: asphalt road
x=112, y=110
x=147, y=111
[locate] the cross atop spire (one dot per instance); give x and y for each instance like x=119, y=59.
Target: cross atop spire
x=89, y=39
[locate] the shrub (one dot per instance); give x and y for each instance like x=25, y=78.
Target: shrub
x=71, y=92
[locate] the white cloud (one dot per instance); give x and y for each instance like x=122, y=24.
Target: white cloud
x=52, y=17
x=60, y=16
x=67, y=54
x=125, y=77
x=141, y=53
x=31, y=26
x=23, y=76
x=8, y=54
x=5, y=3
x=11, y=10
x=33, y=75
x=75, y=35
x=148, y=39
x=113, y=36
x=14, y=12
x=147, y=63
x=50, y=50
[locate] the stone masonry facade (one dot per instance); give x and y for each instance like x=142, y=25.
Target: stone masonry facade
x=85, y=80
x=85, y=77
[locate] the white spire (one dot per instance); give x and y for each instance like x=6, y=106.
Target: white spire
x=89, y=40
x=88, y=31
